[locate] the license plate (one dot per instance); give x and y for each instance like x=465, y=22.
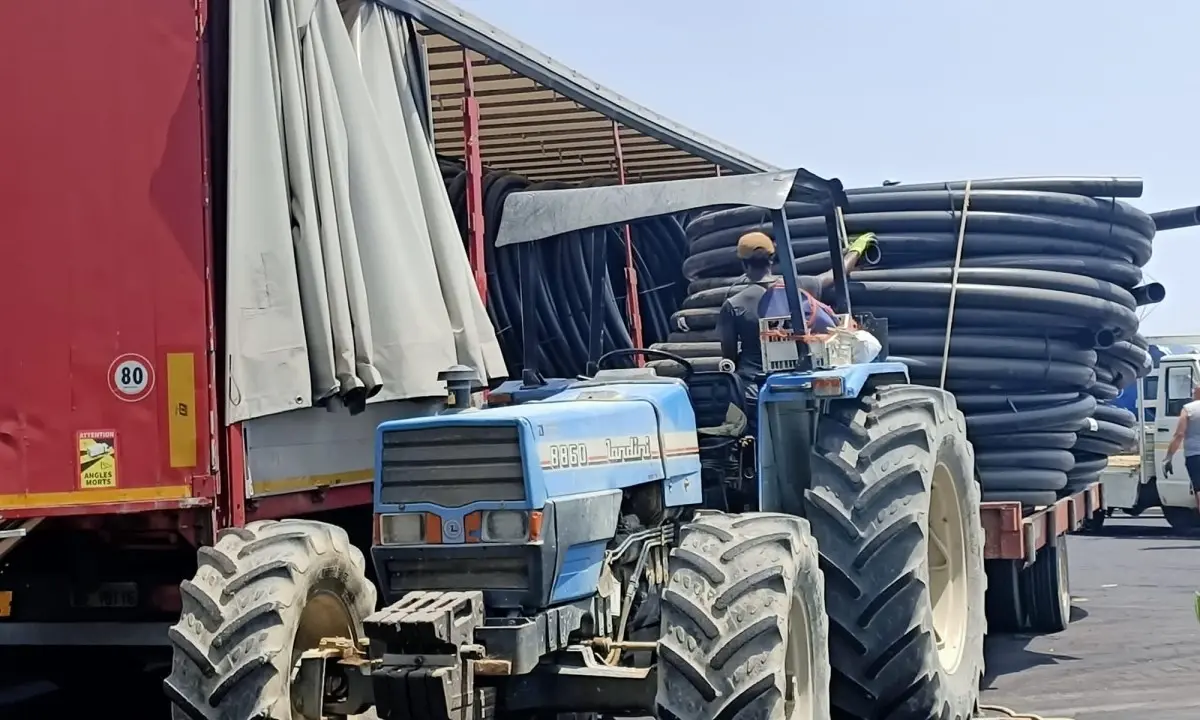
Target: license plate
x=110, y=595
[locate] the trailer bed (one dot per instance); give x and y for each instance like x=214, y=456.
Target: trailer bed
x=1013, y=532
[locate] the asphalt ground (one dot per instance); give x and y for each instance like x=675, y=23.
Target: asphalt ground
x=1132, y=651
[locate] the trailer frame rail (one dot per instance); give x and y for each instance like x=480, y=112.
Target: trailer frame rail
x=1011, y=534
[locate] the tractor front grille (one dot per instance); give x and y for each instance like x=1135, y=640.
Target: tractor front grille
x=487, y=571
x=452, y=466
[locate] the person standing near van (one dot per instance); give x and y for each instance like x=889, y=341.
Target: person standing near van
x=1187, y=434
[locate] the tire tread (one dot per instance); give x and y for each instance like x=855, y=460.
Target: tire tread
x=232, y=642
x=725, y=615
x=868, y=507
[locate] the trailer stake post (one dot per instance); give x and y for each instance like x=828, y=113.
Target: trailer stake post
x=474, y=167
x=632, y=301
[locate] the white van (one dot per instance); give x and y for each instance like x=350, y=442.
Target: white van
x=1134, y=483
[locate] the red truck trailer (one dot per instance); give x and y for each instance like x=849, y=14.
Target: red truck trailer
x=162, y=376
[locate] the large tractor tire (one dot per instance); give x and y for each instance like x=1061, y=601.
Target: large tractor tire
x=262, y=596
x=744, y=632
x=894, y=507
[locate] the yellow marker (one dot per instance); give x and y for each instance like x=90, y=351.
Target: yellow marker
x=100, y=496
x=97, y=459
x=181, y=409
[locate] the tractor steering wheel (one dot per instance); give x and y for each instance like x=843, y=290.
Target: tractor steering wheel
x=688, y=368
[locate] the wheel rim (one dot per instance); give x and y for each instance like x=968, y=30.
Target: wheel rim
x=947, y=568
x=800, y=700
x=325, y=615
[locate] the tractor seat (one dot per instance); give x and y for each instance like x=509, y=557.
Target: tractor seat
x=719, y=402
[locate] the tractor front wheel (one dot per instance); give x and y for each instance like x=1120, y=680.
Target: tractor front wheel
x=744, y=632
x=262, y=596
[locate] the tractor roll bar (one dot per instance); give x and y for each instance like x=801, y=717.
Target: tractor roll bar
x=533, y=215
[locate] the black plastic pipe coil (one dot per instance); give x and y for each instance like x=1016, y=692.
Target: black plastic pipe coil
x=1176, y=219
x=1045, y=322
x=564, y=295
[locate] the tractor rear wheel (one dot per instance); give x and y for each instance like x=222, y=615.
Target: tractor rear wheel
x=262, y=595
x=894, y=507
x=744, y=632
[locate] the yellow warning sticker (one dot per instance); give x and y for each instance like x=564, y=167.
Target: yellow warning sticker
x=97, y=459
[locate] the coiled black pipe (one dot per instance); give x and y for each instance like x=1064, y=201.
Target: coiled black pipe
x=1045, y=320
x=563, y=292
x=1149, y=294
x=1176, y=219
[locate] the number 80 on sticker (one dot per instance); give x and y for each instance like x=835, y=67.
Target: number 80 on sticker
x=130, y=377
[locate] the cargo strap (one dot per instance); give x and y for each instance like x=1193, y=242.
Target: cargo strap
x=962, y=233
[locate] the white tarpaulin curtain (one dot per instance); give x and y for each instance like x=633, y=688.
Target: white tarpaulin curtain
x=346, y=273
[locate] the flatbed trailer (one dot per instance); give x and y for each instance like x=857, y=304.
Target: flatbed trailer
x=1025, y=555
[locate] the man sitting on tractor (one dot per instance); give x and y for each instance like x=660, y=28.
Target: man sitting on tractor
x=737, y=324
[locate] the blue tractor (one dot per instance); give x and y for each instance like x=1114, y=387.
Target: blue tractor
x=585, y=546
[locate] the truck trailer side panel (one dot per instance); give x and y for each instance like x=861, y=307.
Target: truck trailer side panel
x=104, y=298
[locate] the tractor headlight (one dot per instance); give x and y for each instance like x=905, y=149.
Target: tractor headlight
x=402, y=529
x=505, y=526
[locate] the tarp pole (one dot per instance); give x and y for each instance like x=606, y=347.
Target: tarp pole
x=632, y=304
x=474, y=166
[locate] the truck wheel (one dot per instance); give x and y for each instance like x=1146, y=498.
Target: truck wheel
x=262, y=596
x=744, y=633
x=1048, y=588
x=1181, y=519
x=1005, y=605
x=894, y=507
x=1094, y=525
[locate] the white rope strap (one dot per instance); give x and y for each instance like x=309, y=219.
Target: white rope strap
x=962, y=233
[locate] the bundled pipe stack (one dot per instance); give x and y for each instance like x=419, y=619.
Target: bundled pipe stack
x=1045, y=322
x=563, y=296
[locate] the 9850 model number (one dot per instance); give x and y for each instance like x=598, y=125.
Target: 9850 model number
x=568, y=455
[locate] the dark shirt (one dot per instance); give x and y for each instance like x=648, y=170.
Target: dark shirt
x=738, y=325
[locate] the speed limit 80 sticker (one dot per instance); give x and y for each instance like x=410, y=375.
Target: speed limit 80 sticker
x=131, y=377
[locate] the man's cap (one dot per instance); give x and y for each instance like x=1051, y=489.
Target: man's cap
x=752, y=243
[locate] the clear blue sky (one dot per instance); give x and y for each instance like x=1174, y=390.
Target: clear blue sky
x=922, y=90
